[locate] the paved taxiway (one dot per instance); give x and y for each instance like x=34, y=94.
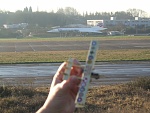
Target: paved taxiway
x=72, y=45
x=43, y=73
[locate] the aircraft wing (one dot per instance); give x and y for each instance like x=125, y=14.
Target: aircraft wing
x=53, y=31
x=89, y=31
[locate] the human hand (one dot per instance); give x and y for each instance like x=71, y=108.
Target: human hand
x=61, y=98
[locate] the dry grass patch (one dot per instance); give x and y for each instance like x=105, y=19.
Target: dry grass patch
x=21, y=99
x=133, y=97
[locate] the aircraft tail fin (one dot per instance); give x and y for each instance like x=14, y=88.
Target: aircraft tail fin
x=100, y=25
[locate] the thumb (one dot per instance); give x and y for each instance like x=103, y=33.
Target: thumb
x=73, y=82
x=71, y=85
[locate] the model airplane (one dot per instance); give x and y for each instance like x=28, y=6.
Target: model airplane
x=86, y=75
x=94, y=29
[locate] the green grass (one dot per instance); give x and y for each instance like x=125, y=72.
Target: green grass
x=133, y=97
x=60, y=56
x=74, y=38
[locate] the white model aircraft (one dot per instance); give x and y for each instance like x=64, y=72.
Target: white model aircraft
x=94, y=29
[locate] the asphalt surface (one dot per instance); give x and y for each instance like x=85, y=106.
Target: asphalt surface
x=43, y=73
x=49, y=69
x=72, y=45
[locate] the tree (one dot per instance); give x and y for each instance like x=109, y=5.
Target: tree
x=60, y=11
x=70, y=11
x=25, y=10
x=122, y=15
x=30, y=9
x=137, y=12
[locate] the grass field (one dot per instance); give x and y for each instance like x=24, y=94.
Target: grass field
x=60, y=56
x=133, y=97
x=74, y=38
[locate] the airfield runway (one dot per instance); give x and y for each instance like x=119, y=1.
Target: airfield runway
x=42, y=73
x=72, y=45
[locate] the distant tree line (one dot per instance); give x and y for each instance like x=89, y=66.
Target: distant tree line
x=62, y=17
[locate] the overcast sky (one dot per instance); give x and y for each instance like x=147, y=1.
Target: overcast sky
x=80, y=5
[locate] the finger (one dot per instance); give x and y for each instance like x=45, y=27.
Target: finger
x=58, y=77
x=77, y=69
x=74, y=85
x=71, y=85
x=60, y=71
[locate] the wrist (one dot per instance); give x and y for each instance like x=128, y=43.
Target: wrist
x=42, y=110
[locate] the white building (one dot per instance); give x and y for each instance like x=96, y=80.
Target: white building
x=94, y=22
x=113, y=21
x=15, y=26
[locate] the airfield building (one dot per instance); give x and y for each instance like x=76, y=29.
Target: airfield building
x=15, y=26
x=113, y=21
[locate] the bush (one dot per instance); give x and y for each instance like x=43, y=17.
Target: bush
x=4, y=92
x=142, y=82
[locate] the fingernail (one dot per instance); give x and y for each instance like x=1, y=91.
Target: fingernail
x=75, y=61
